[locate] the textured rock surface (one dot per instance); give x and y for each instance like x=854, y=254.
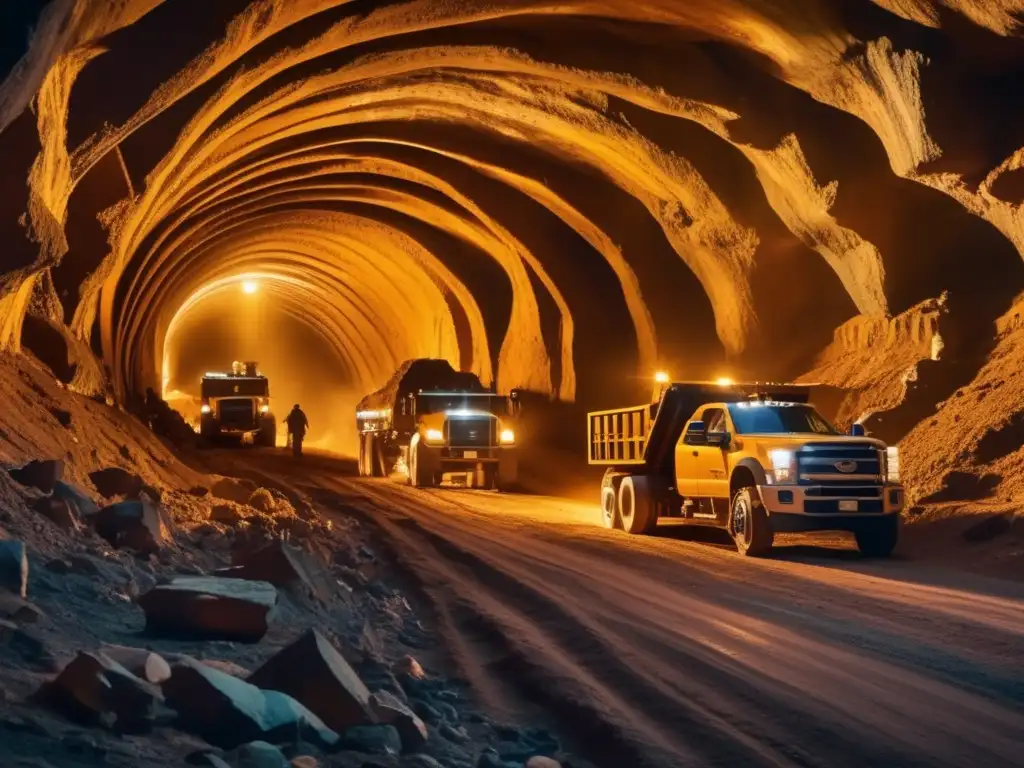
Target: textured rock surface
x=230, y=609
x=719, y=173
x=229, y=712
x=312, y=671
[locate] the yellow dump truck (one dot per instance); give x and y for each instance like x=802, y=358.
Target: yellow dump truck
x=430, y=420
x=753, y=459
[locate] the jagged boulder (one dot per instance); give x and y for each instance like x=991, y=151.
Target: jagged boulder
x=263, y=500
x=281, y=565
x=228, y=712
x=260, y=754
x=313, y=672
x=210, y=607
x=94, y=688
x=42, y=475
x=58, y=512
x=14, y=566
x=28, y=645
x=389, y=710
x=141, y=662
x=76, y=499
x=115, y=481
x=229, y=489
x=136, y=524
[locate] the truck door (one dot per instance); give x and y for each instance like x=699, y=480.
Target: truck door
x=686, y=463
x=712, y=461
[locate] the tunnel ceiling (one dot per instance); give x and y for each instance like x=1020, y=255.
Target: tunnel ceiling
x=558, y=196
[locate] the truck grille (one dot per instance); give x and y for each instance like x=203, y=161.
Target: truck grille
x=472, y=432
x=841, y=465
x=237, y=414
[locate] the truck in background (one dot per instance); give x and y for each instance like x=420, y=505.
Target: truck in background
x=236, y=404
x=753, y=459
x=430, y=420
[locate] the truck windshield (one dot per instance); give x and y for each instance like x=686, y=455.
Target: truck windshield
x=776, y=418
x=439, y=402
x=233, y=386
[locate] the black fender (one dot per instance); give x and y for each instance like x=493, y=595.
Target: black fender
x=755, y=468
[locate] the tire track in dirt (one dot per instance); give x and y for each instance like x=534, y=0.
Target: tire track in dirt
x=683, y=671
x=659, y=652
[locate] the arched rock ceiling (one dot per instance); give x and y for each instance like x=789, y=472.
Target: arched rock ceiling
x=549, y=194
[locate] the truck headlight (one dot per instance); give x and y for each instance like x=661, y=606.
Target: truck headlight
x=892, y=464
x=264, y=409
x=507, y=437
x=205, y=409
x=783, y=465
x=434, y=436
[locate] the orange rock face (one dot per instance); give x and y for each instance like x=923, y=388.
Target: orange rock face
x=558, y=196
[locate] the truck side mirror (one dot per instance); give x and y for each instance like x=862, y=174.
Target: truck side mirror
x=718, y=439
x=857, y=430
x=695, y=434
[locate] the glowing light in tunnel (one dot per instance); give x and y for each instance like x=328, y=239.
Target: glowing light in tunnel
x=253, y=279
x=724, y=381
x=661, y=377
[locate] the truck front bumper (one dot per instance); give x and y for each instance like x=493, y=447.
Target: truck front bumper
x=796, y=508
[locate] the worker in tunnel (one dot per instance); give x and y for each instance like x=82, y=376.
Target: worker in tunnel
x=297, y=426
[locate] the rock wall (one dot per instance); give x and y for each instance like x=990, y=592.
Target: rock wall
x=562, y=197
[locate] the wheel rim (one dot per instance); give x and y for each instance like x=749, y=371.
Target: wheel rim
x=741, y=522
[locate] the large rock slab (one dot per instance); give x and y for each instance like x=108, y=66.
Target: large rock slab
x=312, y=671
x=94, y=688
x=41, y=475
x=228, y=712
x=210, y=607
x=14, y=566
x=139, y=525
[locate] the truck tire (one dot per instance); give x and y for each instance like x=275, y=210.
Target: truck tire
x=880, y=539
x=208, y=428
x=374, y=457
x=267, y=436
x=419, y=477
x=362, y=455
x=749, y=524
x=636, y=505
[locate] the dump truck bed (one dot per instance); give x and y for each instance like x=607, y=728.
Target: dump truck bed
x=644, y=436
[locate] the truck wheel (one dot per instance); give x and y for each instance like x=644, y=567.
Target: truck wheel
x=748, y=524
x=418, y=477
x=636, y=507
x=362, y=454
x=374, y=459
x=610, y=508
x=879, y=540
x=267, y=436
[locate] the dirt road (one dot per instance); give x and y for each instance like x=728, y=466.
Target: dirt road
x=668, y=651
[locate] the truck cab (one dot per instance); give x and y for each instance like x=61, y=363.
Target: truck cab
x=754, y=462
x=236, y=404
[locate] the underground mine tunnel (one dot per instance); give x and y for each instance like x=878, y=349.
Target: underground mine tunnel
x=559, y=202
x=568, y=200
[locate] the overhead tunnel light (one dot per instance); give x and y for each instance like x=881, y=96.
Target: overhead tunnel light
x=250, y=286
x=724, y=381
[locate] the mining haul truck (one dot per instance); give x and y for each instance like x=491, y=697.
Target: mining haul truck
x=752, y=459
x=430, y=420
x=237, y=404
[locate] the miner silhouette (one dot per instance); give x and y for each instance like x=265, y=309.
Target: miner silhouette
x=297, y=426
